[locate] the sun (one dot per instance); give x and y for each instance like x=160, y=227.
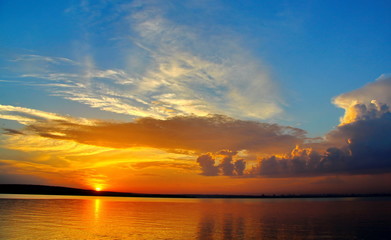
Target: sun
x=98, y=189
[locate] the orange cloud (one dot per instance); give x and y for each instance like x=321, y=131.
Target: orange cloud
x=191, y=133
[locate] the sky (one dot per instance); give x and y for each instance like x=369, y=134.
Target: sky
x=211, y=97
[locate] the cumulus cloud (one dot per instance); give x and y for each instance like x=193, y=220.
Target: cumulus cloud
x=226, y=164
x=240, y=165
x=364, y=147
x=368, y=141
x=366, y=126
x=368, y=102
x=360, y=144
x=207, y=164
x=303, y=162
x=226, y=167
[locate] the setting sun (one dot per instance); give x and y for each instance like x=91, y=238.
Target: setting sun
x=98, y=189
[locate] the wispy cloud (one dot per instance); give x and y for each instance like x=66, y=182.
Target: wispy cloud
x=28, y=116
x=172, y=69
x=46, y=157
x=47, y=59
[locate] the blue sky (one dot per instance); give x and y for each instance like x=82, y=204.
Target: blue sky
x=311, y=51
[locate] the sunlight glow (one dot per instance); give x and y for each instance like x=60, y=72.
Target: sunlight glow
x=97, y=205
x=98, y=189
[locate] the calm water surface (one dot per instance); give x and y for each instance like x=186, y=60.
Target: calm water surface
x=67, y=217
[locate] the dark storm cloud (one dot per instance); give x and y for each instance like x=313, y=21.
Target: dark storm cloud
x=368, y=142
x=307, y=162
x=361, y=144
x=362, y=147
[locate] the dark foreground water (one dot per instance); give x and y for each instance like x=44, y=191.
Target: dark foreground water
x=62, y=217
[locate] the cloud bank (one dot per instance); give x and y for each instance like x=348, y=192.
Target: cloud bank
x=361, y=144
x=182, y=133
x=366, y=150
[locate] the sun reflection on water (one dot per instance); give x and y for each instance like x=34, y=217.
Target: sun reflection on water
x=97, y=208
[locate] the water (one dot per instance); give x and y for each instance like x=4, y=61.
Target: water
x=67, y=217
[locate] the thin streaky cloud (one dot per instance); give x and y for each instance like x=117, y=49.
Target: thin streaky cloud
x=34, y=58
x=186, y=73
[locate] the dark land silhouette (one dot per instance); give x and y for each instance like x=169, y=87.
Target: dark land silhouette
x=56, y=190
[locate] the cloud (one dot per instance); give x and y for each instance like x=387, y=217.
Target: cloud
x=51, y=154
x=168, y=67
x=192, y=133
x=361, y=144
x=46, y=59
x=74, y=140
x=183, y=165
x=227, y=166
x=16, y=171
x=240, y=165
x=207, y=164
x=28, y=142
x=27, y=116
x=11, y=131
x=368, y=141
x=368, y=102
x=215, y=70
x=303, y=162
x=367, y=150
x=366, y=126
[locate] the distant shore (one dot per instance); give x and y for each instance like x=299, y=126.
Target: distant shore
x=56, y=190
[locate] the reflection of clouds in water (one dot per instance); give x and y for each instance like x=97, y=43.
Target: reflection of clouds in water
x=240, y=228
x=227, y=227
x=131, y=218
x=206, y=227
x=230, y=227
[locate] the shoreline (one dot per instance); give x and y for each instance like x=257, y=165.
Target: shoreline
x=57, y=190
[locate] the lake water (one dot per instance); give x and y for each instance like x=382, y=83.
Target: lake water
x=69, y=217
